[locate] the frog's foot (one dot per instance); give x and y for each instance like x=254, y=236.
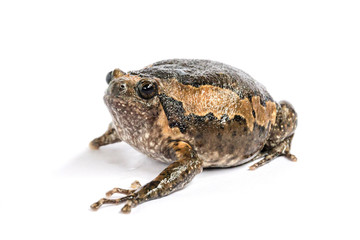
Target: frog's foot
x=283, y=149
x=129, y=192
x=110, y=136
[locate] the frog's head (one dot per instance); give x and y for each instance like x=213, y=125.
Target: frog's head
x=132, y=100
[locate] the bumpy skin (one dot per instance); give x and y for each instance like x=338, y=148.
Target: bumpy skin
x=201, y=114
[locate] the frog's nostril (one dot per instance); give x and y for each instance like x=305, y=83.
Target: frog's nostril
x=109, y=77
x=116, y=88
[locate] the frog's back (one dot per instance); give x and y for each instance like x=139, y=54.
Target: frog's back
x=219, y=109
x=198, y=72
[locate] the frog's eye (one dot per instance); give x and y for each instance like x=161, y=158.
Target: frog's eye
x=146, y=89
x=108, y=77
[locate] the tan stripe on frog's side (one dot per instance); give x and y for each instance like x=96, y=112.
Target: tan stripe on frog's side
x=220, y=101
x=163, y=123
x=264, y=114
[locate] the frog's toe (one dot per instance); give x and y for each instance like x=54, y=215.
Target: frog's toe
x=102, y=201
x=120, y=190
x=94, y=145
x=127, y=207
x=291, y=157
x=109, y=137
x=262, y=162
x=134, y=186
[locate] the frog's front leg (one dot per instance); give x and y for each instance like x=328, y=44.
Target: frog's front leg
x=109, y=137
x=174, y=177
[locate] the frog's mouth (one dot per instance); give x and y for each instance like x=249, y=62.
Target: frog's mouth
x=115, y=103
x=121, y=105
x=107, y=99
x=118, y=108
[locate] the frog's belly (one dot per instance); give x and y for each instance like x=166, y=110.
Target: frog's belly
x=218, y=146
x=230, y=146
x=214, y=160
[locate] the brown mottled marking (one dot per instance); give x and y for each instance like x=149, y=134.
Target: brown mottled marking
x=219, y=101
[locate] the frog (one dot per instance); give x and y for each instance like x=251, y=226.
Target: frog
x=192, y=114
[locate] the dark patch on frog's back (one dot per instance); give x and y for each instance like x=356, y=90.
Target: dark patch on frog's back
x=175, y=114
x=197, y=72
x=239, y=119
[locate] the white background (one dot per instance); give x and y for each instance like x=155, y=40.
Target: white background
x=54, y=58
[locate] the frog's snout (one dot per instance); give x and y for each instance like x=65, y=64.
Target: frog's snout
x=116, y=88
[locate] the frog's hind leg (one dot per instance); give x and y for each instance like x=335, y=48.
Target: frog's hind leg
x=283, y=149
x=109, y=137
x=281, y=135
